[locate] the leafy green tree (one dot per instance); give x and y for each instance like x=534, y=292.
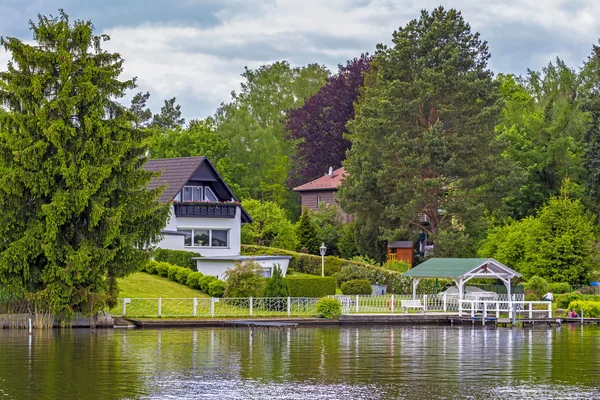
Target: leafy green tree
x=138, y=108
x=592, y=134
x=306, y=233
x=276, y=286
x=423, y=155
x=557, y=244
x=347, y=244
x=253, y=122
x=327, y=222
x=169, y=116
x=76, y=211
x=244, y=280
x=270, y=227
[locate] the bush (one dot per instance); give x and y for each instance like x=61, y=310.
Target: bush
x=217, y=288
x=537, y=285
x=180, y=258
x=559, y=287
x=357, y=286
x=150, y=267
x=276, y=286
x=182, y=275
x=193, y=280
x=531, y=297
x=591, y=309
x=563, y=300
x=162, y=268
x=329, y=308
x=309, y=286
x=244, y=280
x=398, y=266
x=205, y=281
x=172, y=274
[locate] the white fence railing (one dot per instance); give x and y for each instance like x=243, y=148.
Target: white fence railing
x=296, y=306
x=519, y=307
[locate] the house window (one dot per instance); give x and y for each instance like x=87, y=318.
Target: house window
x=191, y=193
x=210, y=195
x=205, y=237
x=319, y=199
x=267, y=272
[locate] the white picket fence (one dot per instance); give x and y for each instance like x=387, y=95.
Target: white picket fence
x=293, y=306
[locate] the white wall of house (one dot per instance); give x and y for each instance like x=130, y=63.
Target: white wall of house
x=218, y=268
x=232, y=225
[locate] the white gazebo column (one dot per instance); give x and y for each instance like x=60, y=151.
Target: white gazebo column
x=415, y=284
x=459, y=284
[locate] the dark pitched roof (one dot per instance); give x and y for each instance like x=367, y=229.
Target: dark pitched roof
x=402, y=244
x=326, y=182
x=175, y=173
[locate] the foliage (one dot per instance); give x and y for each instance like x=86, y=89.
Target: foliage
x=150, y=267
x=399, y=266
x=176, y=257
x=347, y=243
x=182, y=275
x=592, y=135
x=559, y=287
x=306, y=233
x=205, y=282
x=357, y=286
x=253, y=122
x=556, y=244
x=173, y=271
x=329, y=226
x=276, y=286
x=143, y=285
x=76, y=213
x=563, y=300
x=244, y=280
x=138, y=108
x=329, y=308
x=319, y=126
x=193, y=280
x=162, y=269
x=217, y=288
x=590, y=309
x=270, y=227
x=531, y=297
x=423, y=120
x=537, y=285
x=169, y=117
x=310, y=286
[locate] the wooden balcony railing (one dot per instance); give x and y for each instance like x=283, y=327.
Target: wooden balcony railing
x=205, y=210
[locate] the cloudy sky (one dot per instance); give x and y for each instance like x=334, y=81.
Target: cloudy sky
x=196, y=49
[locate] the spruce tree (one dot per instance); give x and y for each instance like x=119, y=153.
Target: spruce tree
x=76, y=212
x=307, y=234
x=276, y=287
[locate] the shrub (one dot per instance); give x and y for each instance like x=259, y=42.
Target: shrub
x=531, y=297
x=172, y=274
x=244, y=280
x=591, y=309
x=182, y=275
x=217, y=288
x=537, y=285
x=309, y=286
x=560, y=287
x=162, y=268
x=276, y=286
x=205, y=281
x=329, y=308
x=192, y=280
x=563, y=300
x=150, y=267
x=180, y=258
x=357, y=286
x=398, y=266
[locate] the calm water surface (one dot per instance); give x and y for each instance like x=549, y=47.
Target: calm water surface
x=307, y=363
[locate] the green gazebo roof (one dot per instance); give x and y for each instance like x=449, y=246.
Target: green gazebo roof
x=454, y=268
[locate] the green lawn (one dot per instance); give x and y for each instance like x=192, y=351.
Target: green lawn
x=144, y=285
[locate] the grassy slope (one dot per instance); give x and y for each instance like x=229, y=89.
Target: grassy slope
x=143, y=285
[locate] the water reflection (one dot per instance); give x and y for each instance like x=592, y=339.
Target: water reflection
x=355, y=362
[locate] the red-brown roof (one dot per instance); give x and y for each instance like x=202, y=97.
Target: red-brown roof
x=327, y=182
x=175, y=173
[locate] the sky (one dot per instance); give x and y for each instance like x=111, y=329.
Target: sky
x=196, y=50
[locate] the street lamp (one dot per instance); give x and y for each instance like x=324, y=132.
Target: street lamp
x=322, y=250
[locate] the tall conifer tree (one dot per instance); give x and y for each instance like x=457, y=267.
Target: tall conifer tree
x=76, y=211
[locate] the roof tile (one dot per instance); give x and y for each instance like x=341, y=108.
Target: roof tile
x=332, y=181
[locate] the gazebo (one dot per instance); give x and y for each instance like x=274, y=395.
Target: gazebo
x=461, y=270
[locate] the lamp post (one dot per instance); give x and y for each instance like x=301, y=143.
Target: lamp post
x=322, y=250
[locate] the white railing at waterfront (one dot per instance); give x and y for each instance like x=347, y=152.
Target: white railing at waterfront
x=296, y=306
x=512, y=307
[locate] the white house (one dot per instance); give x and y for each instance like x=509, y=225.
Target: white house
x=206, y=217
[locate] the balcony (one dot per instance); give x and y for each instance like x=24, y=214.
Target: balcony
x=205, y=210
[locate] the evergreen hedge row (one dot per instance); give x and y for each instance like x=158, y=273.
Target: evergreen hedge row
x=196, y=280
x=308, y=286
x=180, y=258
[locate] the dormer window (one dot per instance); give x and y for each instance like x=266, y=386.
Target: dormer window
x=210, y=195
x=192, y=193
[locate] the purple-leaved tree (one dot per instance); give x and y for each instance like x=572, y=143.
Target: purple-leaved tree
x=321, y=123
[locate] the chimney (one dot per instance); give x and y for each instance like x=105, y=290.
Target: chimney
x=330, y=172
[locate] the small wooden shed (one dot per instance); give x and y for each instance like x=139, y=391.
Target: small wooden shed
x=402, y=251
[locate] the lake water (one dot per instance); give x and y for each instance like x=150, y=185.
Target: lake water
x=307, y=363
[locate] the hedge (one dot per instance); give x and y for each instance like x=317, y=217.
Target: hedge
x=559, y=287
x=308, y=286
x=180, y=258
x=196, y=280
x=563, y=300
x=357, y=286
x=591, y=309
